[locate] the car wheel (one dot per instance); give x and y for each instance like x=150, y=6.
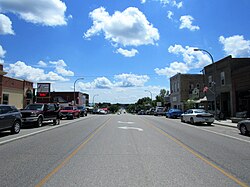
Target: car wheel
x=243, y=130
x=39, y=122
x=182, y=120
x=16, y=127
x=209, y=123
x=56, y=121
x=192, y=121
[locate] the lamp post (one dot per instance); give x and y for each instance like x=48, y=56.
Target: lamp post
x=150, y=95
x=214, y=74
x=94, y=99
x=75, y=89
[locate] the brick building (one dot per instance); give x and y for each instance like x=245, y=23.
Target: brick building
x=229, y=80
x=65, y=98
x=184, y=87
x=14, y=91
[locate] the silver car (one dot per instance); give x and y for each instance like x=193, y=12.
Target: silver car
x=197, y=116
x=244, y=127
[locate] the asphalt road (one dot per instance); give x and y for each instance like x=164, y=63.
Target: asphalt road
x=126, y=150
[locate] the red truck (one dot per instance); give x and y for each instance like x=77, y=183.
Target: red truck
x=39, y=112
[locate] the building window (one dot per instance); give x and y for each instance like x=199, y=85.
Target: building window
x=5, y=99
x=178, y=86
x=210, y=81
x=222, y=78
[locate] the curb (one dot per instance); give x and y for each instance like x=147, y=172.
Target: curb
x=222, y=124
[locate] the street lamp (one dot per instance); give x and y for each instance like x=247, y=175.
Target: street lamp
x=94, y=99
x=150, y=95
x=214, y=83
x=75, y=89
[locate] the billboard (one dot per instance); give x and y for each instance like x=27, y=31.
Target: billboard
x=43, y=89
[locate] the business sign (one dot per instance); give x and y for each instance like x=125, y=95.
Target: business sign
x=43, y=89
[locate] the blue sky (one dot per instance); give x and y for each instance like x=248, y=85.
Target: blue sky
x=120, y=48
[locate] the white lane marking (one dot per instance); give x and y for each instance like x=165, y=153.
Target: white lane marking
x=222, y=134
x=226, y=135
x=133, y=128
x=40, y=131
x=129, y=122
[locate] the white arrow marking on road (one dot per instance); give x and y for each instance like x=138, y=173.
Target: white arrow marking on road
x=133, y=128
x=126, y=122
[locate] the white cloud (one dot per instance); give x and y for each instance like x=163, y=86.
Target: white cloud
x=174, y=68
x=127, y=53
x=23, y=71
x=236, y=46
x=45, y=12
x=170, y=15
x=120, y=81
x=2, y=52
x=167, y=2
x=131, y=80
x=98, y=83
x=5, y=25
x=42, y=64
x=191, y=60
x=186, y=22
x=60, y=68
x=127, y=28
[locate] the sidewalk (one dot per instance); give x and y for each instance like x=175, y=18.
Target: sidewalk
x=227, y=123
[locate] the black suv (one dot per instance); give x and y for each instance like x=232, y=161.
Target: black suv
x=10, y=119
x=39, y=112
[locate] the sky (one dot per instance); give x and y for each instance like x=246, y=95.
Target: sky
x=118, y=51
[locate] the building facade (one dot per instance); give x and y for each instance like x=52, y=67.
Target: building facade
x=185, y=87
x=15, y=92
x=228, y=83
x=65, y=98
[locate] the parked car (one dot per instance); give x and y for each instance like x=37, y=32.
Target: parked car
x=83, y=111
x=70, y=112
x=150, y=111
x=159, y=111
x=141, y=112
x=244, y=127
x=10, y=119
x=37, y=113
x=197, y=116
x=173, y=113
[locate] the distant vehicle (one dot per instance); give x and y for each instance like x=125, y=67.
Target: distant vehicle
x=150, y=111
x=244, y=127
x=10, y=119
x=37, y=113
x=141, y=112
x=173, y=113
x=197, y=116
x=159, y=111
x=83, y=111
x=70, y=112
x=100, y=111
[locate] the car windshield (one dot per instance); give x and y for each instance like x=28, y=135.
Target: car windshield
x=35, y=107
x=199, y=111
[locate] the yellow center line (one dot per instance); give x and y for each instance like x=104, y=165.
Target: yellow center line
x=199, y=156
x=54, y=171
